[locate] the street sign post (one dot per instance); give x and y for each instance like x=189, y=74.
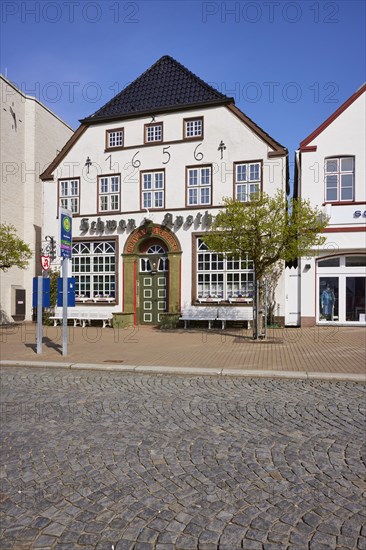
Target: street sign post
x=65, y=253
x=41, y=299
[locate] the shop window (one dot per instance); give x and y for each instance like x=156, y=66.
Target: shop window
x=329, y=262
x=355, y=298
x=221, y=277
x=356, y=261
x=342, y=289
x=94, y=269
x=328, y=296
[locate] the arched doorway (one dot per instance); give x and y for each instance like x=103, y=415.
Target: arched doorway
x=151, y=273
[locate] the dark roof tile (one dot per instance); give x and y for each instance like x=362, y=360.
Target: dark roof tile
x=165, y=85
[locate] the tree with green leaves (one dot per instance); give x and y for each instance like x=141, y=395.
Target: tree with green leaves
x=13, y=251
x=271, y=231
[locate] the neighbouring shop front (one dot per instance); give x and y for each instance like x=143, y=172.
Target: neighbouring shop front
x=341, y=289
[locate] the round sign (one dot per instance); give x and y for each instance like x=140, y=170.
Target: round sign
x=66, y=223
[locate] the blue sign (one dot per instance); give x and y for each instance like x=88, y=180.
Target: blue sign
x=70, y=292
x=46, y=292
x=65, y=233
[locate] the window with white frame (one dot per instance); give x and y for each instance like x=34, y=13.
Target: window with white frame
x=193, y=127
x=152, y=189
x=248, y=180
x=94, y=269
x=339, y=179
x=115, y=138
x=109, y=193
x=222, y=277
x=199, y=185
x=153, y=132
x=69, y=191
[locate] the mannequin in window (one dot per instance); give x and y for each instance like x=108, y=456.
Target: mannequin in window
x=327, y=302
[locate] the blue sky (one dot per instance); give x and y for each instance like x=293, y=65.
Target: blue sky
x=288, y=65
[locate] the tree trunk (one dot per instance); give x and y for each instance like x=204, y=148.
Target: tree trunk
x=258, y=324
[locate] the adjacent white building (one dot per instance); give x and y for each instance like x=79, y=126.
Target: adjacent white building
x=143, y=177
x=332, y=175
x=31, y=135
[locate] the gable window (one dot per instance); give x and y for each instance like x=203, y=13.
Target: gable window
x=248, y=180
x=69, y=193
x=153, y=132
x=109, y=193
x=199, y=185
x=339, y=179
x=115, y=138
x=94, y=269
x=193, y=128
x=153, y=189
x=221, y=277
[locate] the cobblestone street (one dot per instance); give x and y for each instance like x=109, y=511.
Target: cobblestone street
x=101, y=460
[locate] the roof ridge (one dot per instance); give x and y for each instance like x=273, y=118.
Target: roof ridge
x=196, y=77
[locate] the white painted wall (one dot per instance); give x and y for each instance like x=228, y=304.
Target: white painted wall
x=344, y=136
x=26, y=149
x=219, y=124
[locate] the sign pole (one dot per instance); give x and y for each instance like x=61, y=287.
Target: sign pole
x=39, y=313
x=65, y=253
x=64, y=306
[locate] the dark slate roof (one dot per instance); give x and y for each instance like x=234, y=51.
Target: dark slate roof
x=166, y=85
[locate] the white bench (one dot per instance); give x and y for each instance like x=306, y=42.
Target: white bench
x=234, y=314
x=84, y=316
x=198, y=314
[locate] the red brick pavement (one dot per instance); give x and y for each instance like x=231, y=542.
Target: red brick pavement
x=317, y=349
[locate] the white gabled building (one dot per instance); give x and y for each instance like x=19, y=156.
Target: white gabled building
x=31, y=135
x=143, y=176
x=332, y=175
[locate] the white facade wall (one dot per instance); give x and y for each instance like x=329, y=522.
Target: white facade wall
x=345, y=234
x=28, y=145
x=220, y=124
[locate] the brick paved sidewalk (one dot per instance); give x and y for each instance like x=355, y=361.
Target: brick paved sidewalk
x=319, y=349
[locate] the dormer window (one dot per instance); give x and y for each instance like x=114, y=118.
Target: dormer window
x=193, y=128
x=153, y=132
x=115, y=138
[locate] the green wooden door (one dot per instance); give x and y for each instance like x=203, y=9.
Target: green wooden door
x=153, y=292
